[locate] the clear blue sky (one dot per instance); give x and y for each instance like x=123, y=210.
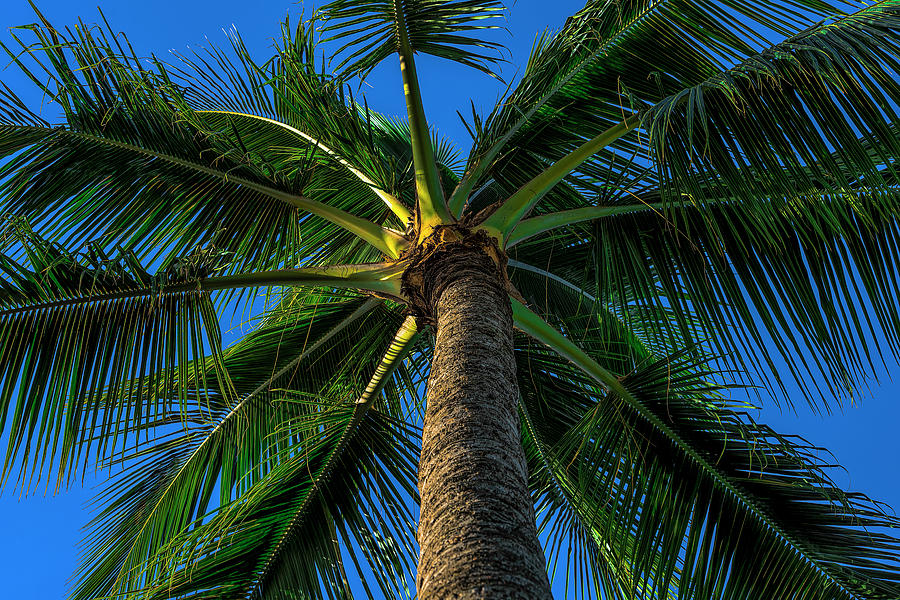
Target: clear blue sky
x=38, y=535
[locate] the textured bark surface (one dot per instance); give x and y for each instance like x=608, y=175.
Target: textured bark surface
x=477, y=529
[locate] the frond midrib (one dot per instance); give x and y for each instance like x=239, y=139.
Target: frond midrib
x=392, y=202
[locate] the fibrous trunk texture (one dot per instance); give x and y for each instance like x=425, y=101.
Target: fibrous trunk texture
x=477, y=530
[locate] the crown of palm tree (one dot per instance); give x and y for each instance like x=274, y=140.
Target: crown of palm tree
x=672, y=203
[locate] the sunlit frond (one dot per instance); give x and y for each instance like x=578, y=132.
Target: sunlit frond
x=133, y=165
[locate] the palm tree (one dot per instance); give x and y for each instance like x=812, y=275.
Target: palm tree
x=664, y=206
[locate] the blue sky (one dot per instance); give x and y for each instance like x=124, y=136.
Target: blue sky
x=39, y=534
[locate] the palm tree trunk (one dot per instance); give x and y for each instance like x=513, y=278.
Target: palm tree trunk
x=477, y=532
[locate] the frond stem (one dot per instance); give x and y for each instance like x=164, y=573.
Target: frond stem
x=381, y=278
x=386, y=240
x=514, y=208
x=392, y=202
x=431, y=208
x=528, y=228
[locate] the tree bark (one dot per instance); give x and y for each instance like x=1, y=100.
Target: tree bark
x=477, y=532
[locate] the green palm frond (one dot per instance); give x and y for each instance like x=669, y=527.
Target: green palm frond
x=812, y=275
x=94, y=347
x=812, y=112
x=753, y=266
x=307, y=350
x=131, y=145
x=370, y=515
x=750, y=129
x=293, y=101
x=285, y=519
x=279, y=146
x=374, y=30
x=78, y=333
x=329, y=463
x=645, y=520
x=297, y=108
x=613, y=58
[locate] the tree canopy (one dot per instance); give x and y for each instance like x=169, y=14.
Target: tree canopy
x=683, y=197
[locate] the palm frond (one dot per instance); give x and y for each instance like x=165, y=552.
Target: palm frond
x=135, y=166
x=784, y=289
x=372, y=31
x=78, y=334
x=95, y=345
x=293, y=100
x=313, y=107
x=609, y=60
x=333, y=469
x=306, y=348
x=285, y=138
x=812, y=113
x=665, y=491
x=304, y=494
